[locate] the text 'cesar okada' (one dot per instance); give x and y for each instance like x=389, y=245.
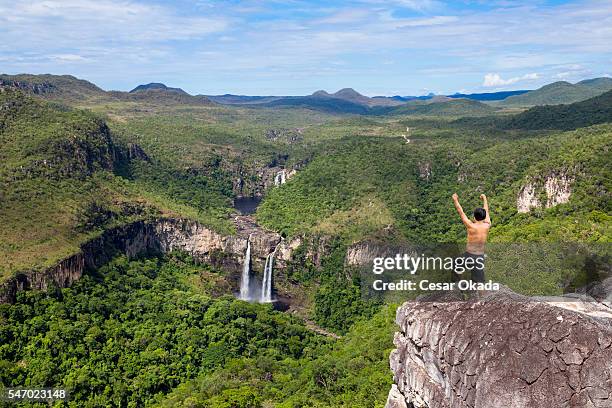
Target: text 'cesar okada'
x=405, y=263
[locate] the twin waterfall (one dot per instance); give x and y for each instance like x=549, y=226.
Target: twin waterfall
x=265, y=295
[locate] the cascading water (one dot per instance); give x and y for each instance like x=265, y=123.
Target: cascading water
x=246, y=272
x=280, y=178
x=266, y=287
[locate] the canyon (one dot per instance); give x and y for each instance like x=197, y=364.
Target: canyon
x=161, y=235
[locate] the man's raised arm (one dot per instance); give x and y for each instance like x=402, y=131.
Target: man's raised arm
x=464, y=217
x=485, y=205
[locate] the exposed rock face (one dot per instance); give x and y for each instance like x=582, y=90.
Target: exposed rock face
x=256, y=182
x=504, y=351
x=135, y=152
x=29, y=87
x=556, y=187
x=363, y=253
x=425, y=170
x=527, y=199
x=162, y=235
x=287, y=135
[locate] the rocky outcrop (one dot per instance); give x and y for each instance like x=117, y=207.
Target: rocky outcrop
x=135, y=152
x=527, y=199
x=159, y=236
x=41, y=88
x=286, y=135
x=503, y=351
x=363, y=253
x=249, y=183
x=425, y=170
x=555, y=187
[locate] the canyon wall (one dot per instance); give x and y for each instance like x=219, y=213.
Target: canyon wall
x=506, y=350
x=158, y=236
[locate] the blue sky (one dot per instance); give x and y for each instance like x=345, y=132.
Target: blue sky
x=295, y=47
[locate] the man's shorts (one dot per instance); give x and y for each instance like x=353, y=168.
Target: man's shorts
x=477, y=271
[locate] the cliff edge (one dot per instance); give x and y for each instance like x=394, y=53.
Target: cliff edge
x=505, y=350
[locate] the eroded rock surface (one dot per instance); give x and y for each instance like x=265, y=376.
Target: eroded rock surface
x=502, y=351
x=159, y=236
x=555, y=187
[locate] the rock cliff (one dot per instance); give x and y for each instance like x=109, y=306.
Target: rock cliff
x=553, y=189
x=503, y=351
x=159, y=236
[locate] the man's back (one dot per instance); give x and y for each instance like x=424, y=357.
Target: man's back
x=477, y=230
x=477, y=233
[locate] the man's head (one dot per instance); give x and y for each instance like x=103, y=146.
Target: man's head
x=480, y=214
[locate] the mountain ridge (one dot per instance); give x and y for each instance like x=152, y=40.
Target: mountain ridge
x=561, y=92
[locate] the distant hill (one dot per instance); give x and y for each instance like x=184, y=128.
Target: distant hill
x=69, y=89
x=561, y=93
x=350, y=95
x=171, y=96
x=489, y=96
x=321, y=103
x=565, y=117
x=597, y=83
x=156, y=85
x=453, y=107
x=47, y=86
x=229, y=99
x=346, y=100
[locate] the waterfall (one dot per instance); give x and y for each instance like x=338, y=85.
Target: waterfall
x=280, y=178
x=266, y=287
x=246, y=271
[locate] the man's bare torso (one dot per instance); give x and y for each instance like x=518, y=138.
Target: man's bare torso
x=477, y=229
x=477, y=233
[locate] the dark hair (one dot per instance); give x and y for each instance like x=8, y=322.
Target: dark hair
x=480, y=214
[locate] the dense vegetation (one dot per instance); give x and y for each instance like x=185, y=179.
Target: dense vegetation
x=567, y=117
x=65, y=176
x=135, y=330
x=359, y=186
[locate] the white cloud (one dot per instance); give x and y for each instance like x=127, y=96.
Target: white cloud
x=495, y=80
x=423, y=22
x=416, y=5
x=345, y=17
x=68, y=57
x=56, y=23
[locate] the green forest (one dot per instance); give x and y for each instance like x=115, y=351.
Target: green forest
x=147, y=332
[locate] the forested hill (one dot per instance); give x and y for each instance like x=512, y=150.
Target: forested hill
x=566, y=117
x=59, y=87
x=70, y=90
x=561, y=92
x=453, y=107
x=65, y=176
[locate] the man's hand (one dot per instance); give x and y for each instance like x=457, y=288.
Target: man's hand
x=483, y=197
x=455, y=197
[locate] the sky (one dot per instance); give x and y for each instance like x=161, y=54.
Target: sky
x=294, y=47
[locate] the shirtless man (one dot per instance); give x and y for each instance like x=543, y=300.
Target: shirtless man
x=477, y=232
